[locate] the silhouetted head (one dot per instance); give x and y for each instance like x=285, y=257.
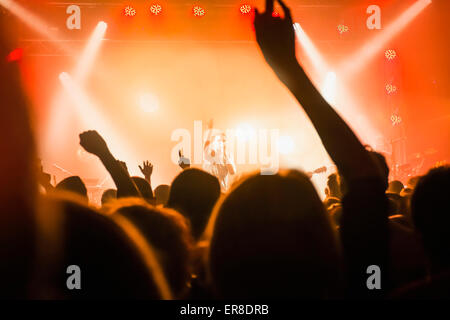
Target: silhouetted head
x=412, y=182
x=396, y=205
x=273, y=238
x=144, y=188
x=331, y=201
x=162, y=194
x=193, y=193
x=395, y=186
x=406, y=192
x=333, y=188
x=168, y=233
x=73, y=184
x=380, y=160
x=113, y=262
x=430, y=213
x=109, y=195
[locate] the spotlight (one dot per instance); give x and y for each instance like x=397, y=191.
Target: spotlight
x=246, y=9
x=245, y=132
x=390, y=54
x=156, y=9
x=148, y=102
x=91, y=116
x=275, y=14
x=198, y=11
x=15, y=55
x=390, y=88
x=285, y=145
x=129, y=11
x=329, y=87
x=396, y=119
x=342, y=28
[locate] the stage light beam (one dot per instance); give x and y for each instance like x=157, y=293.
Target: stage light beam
x=89, y=54
x=327, y=83
x=329, y=90
x=60, y=108
x=34, y=22
x=311, y=50
x=361, y=57
x=92, y=118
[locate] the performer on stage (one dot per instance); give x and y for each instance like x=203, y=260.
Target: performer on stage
x=216, y=159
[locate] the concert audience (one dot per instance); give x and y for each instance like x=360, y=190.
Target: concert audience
x=270, y=236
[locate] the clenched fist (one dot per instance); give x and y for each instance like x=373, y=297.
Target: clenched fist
x=93, y=143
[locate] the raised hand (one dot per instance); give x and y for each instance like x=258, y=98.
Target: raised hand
x=276, y=36
x=93, y=143
x=183, y=162
x=364, y=229
x=146, y=169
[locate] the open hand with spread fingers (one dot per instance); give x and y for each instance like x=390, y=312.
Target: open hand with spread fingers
x=146, y=169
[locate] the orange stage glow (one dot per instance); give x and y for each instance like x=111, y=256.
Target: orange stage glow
x=137, y=91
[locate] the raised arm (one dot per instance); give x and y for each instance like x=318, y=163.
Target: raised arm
x=208, y=138
x=276, y=38
x=93, y=143
x=364, y=224
x=183, y=162
x=147, y=170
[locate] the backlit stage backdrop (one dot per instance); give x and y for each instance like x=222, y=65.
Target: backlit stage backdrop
x=141, y=71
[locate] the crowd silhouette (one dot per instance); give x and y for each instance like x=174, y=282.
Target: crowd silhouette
x=269, y=236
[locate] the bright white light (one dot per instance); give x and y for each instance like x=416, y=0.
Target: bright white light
x=92, y=119
x=311, y=50
x=327, y=82
x=79, y=98
x=89, y=54
x=59, y=108
x=245, y=132
x=360, y=58
x=329, y=88
x=148, y=102
x=286, y=145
